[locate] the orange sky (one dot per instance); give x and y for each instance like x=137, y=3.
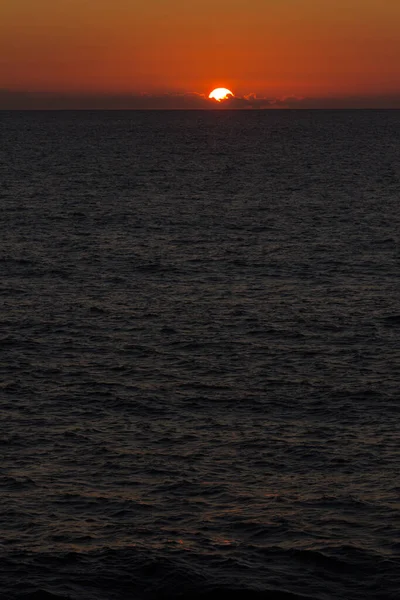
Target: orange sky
x=268, y=47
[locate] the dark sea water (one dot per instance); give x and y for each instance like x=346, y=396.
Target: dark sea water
x=200, y=355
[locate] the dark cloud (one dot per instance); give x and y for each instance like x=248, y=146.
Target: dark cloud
x=14, y=100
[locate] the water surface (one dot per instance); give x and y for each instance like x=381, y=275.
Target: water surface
x=199, y=327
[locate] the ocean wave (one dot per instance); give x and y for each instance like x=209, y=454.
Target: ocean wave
x=137, y=573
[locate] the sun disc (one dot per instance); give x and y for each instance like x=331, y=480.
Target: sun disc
x=220, y=94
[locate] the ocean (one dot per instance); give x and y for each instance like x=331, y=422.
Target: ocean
x=200, y=355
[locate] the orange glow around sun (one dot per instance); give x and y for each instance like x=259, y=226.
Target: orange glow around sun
x=273, y=50
x=220, y=94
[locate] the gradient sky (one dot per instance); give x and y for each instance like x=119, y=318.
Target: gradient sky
x=313, y=48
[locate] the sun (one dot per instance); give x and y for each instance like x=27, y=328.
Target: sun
x=220, y=94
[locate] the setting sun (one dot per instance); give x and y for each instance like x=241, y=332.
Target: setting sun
x=220, y=94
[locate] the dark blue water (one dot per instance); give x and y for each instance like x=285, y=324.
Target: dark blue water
x=200, y=355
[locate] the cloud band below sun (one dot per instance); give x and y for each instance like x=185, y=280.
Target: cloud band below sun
x=18, y=100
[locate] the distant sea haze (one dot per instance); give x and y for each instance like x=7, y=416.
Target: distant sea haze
x=199, y=380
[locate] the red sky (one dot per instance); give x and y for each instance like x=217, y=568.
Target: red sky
x=272, y=48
